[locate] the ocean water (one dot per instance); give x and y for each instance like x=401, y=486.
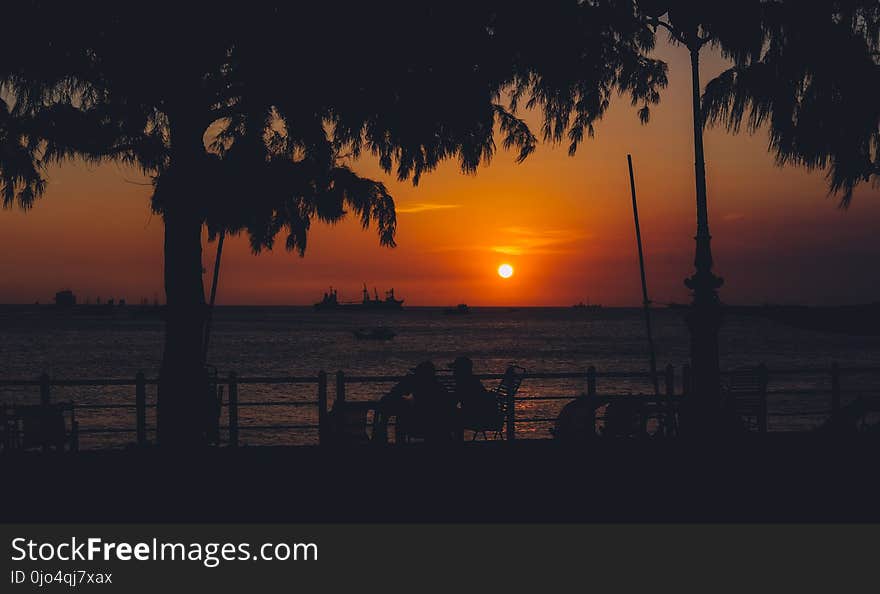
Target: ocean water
x=296, y=341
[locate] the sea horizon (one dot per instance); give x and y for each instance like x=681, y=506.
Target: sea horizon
x=652, y=306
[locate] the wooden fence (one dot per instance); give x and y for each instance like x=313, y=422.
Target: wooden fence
x=674, y=388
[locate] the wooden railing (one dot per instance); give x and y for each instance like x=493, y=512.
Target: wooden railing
x=674, y=388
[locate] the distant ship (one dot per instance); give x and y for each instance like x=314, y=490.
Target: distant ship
x=65, y=298
x=459, y=309
x=586, y=306
x=378, y=333
x=331, y=302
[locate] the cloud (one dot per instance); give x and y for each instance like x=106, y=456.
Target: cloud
x=510, y=250
x=424, y=207
x=522, y=240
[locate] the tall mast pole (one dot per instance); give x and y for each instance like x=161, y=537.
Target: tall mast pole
x=214, y=280
x=646, y=303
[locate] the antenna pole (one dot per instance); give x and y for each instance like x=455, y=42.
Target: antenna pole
x=645, y=301
x=213, y=295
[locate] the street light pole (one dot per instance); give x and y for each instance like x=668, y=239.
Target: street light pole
x=704, y=317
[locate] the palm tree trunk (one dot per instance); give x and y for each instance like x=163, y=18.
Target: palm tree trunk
x=704, y=317
x=183, y=398
x=183, y=381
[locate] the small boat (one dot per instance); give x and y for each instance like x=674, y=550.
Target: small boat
x=586, y=306
x=459, y=309
x=378, y=333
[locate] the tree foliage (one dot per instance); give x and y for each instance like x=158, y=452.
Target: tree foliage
x=816, y=87
x=247, y=112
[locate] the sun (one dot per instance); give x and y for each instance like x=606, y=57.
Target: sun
x=505, y=271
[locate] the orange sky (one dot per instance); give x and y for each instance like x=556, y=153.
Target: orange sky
x=564, y=223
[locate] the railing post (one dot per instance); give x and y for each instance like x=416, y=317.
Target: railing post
x=511, y=416
x=763, y=378
x=670, y=381
x=591, y=381
x=140, y=400
x=835, y=391
x=74, y=429
x=591, y=394
x=322, y=407
x=670, y=399
x=339, y=403
x=45, y=396
x=233, y=409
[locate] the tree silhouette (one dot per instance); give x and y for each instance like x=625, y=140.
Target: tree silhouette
x=815, y=85
x=21, y=179
x=809, y=71
x=242, y=115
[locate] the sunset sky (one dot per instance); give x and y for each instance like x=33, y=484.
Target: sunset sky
x=564, y=224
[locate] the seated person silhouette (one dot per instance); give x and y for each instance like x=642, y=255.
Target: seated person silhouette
x=479, y=410
x=849, y=420
x=422, y=405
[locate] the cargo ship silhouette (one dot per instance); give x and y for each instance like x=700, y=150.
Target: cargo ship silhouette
x=330, y=302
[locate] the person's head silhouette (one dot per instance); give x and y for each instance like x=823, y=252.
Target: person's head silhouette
x=462, y=367
x=424, y=371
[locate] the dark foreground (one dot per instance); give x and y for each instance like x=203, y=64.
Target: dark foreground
x=785, y=478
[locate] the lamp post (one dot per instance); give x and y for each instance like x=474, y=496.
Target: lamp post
x=704, y=316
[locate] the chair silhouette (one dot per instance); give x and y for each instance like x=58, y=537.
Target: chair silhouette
x=39, y=425
x=350, y=422
x=7, y=428
x=746, y=396
x=504, y=392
